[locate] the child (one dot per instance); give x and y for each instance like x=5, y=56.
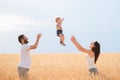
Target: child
x=92, y=54
x=60, y=30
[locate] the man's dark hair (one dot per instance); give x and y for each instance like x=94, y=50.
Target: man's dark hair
x=20, y=37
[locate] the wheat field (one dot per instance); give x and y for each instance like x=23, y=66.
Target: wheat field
x=68, y=66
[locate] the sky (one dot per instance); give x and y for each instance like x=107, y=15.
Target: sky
x=87, y=20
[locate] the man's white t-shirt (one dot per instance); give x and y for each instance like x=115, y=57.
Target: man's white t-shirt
x=25, y=58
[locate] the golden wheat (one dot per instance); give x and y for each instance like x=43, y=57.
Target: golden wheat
x=61, y=67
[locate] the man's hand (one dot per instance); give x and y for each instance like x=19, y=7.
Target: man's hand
x=36, y=42
x=39, y=36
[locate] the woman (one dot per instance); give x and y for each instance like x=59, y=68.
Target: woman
x=92, y=54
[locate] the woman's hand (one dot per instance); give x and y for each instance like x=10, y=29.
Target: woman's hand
x=73, y=39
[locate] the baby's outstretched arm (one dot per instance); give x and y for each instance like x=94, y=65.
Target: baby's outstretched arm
x=62, y=19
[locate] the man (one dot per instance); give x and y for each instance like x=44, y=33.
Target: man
x=25, y=58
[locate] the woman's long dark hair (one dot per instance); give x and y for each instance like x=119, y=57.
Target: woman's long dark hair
x=96, y=51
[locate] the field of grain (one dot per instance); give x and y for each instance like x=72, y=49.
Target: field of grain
x=61, y=67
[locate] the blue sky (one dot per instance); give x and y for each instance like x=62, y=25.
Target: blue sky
x=88, y=20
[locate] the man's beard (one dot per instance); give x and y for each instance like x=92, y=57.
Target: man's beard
x=26, y=41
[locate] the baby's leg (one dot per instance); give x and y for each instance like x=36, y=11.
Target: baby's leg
x=61, y=37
